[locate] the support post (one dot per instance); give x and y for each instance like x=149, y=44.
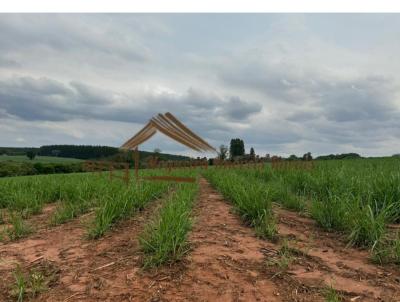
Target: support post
x=111, y=167
x=136, y=163
x=127, y=173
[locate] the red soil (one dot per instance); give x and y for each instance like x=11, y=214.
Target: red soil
x=226, y=262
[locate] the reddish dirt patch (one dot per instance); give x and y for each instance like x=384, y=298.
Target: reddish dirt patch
x=226, y=261
x=328, y=261
x=225, y=264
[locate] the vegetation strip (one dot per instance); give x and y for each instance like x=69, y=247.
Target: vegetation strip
x=121, y=203
x=356, y=197
x=252, y=200
x=164, y=239
x=76, y=194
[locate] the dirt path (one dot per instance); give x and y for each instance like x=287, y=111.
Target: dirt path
x=327, y=261
x=226, y=260
x=225, y=263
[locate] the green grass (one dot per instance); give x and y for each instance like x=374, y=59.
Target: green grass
x=252, y=199
x=119, y=203
x=356, y=197
x=79, y=193
x=38, y=159
x=284, y=257
x=18, y=228
x=387, y=251
x=164, y=239
x=19, y=288
x=28, y=285
x=331, y=295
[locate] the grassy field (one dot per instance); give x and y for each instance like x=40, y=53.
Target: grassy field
x=38, y=159
x=358, y=200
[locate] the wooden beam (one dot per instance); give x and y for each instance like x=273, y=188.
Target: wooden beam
x=170, y=178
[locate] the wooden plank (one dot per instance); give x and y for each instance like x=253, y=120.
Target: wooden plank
x=170, y=178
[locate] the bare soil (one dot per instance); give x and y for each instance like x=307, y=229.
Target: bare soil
x=227, y=262
x=323, y=259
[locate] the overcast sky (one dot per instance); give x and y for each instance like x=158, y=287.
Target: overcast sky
x=284, y=83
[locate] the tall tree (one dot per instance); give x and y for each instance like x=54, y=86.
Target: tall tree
x=223, y=152
x=307, y=156
x=236, y=147
x=31, y=154
x=252, y=154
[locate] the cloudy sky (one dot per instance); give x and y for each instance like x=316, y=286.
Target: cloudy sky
x=284, y=83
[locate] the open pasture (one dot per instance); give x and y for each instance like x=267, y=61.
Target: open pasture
x=270, y=233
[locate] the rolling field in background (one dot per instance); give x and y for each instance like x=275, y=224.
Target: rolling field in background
x=38, y=159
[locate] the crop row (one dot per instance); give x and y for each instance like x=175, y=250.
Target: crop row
x=75, y=194
x=252, y=200
x=359, y=198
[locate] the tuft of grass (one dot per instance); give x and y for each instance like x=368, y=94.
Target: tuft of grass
x=368, y=228
x=280, y=193
x=19, y=228
x=19, y=287
x=36, y=283
x=331, y=213
x=164, y=239
x=331, y=295
x=387, y=251
x=30, y=284
x=284, y=258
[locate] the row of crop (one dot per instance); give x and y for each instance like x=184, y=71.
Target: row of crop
x=164, y=239
x=358, y=198
x=252, y=200
x=75, y=194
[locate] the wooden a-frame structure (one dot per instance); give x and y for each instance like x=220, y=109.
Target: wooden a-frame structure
x=170, y=126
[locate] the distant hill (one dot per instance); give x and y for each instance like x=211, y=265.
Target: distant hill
x=38, y=159
x=339, y=156
x=15, y=150
x=86, y=152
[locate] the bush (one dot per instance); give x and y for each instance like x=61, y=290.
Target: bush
x=12, y=168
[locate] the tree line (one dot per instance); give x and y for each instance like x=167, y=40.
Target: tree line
x=236, y=150
x=77, y=151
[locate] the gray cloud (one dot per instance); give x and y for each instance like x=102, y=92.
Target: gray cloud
x=45, y=99
x=240, y=110
x=71, y=33
x=285, y=88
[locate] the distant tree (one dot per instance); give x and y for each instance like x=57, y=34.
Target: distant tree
x=292, y=157
x=236, y=147
x=307, y=156
x=252, y=154
x=157, y=151
x=340, y=156
x=55, y=152
x=31, y=154
x=223, y=152
x=78, y=151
